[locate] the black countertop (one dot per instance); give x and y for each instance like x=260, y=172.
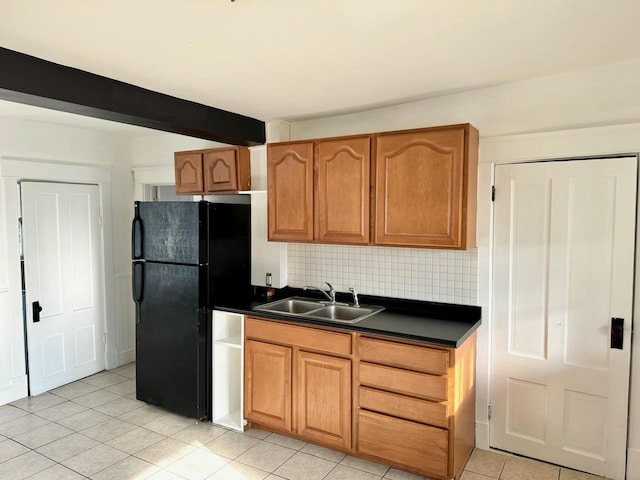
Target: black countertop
x=435, y=323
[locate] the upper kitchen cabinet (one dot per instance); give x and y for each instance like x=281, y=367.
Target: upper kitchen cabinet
x=320, y=190
x=189, y=178
x=290, y=191
x=212, y=171
x=342, y=192
x=425, y=187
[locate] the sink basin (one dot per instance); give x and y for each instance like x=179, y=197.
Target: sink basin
x=343, y=314
x=291, y=305
x=306, y=308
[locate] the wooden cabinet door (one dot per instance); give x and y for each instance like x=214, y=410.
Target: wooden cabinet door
x=290, y=191
x=267, y=384
x=422, y=188
x=220, y=171
x=323, y=387
x=227, y=170
x=188, y=171
x=343, y=193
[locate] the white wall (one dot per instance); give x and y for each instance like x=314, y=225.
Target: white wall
x=157, y=148
x=608, y=95
x=25, y=141
x=63, y=145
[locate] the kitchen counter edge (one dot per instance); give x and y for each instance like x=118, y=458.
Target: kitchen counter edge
x=433, y=323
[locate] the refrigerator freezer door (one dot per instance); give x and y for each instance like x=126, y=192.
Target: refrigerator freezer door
x=172, y=340
x=171, y=232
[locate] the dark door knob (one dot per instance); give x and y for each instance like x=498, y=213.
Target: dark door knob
x=617, y=333
x=36, y=308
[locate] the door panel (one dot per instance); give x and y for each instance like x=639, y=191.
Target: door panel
x=563, y=253
x=82, y=248
x=290, y=191
x=63, y=272
x=267, y=384
x=420, y=188
x=343, y=190
x=220, y=171
x=324, y=398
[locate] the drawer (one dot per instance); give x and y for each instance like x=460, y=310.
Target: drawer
x=304, y=337
x=401, y=355
x=423, y=411
x=410, y=444
x=403, y=381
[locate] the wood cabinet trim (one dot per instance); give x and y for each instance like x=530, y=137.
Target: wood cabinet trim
x=306, y=338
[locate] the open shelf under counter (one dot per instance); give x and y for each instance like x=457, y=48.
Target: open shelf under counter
x=228, y=370
x=234, y=341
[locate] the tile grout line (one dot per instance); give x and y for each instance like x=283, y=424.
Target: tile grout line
x=28, y=406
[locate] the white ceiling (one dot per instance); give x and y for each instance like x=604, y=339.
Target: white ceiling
x=297, y=59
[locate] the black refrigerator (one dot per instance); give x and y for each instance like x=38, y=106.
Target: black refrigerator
x=187, y=258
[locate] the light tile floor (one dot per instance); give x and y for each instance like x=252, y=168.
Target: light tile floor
x=95, y=428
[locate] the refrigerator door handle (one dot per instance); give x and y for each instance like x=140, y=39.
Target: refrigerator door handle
x=136, y=236
x=137, y=281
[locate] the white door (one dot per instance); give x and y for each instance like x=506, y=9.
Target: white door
x=64, y=275
x=564, y=261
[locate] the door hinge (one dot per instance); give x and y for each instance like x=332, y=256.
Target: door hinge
x=100, y=221
x=493, y=193
x=489, y=412
x=104, y=338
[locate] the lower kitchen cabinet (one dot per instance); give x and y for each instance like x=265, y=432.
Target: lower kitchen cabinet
x=404, y=404
x=320, y=388
x=421, y=397
x=324, y=399
x=267, y=384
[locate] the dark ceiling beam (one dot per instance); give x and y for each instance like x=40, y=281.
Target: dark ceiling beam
x=31, y=80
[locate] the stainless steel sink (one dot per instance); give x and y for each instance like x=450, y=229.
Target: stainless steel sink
x=305, y=308
x=291, y=305
x=342, y=313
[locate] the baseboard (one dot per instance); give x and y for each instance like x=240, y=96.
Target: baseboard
x=633, y=463
x=126, y=357
x=17, y=390
x=482, y=435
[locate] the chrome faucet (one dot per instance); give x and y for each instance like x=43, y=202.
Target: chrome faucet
x=356, y=303
x=331, y=295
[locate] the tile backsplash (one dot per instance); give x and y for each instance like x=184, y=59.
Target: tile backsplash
x=420, y=274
